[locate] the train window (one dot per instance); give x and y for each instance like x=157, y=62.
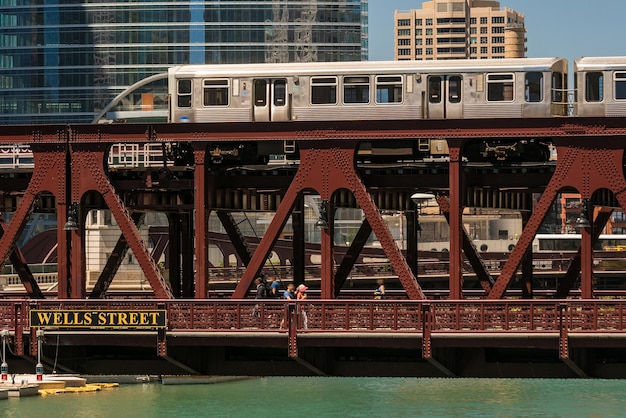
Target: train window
x=434, y=89
x=594, y=86
x=534, y=87
x=324, y=90
x=215, y=92
x=454, y=89
x=500, y=87
x=558, y=88
x=280, y=92
x=389, y=89
x=356, y=89
x=260, y=93
x=184, y=93
x=620, y=86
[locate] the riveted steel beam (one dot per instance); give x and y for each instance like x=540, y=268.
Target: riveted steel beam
x=587, y=166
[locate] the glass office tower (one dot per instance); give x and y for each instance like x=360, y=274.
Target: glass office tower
x=64, y=61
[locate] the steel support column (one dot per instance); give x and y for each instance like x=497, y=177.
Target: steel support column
x=298, y=220
x=201, y=222
x=474, y=258
x=567, y=281
x=456, y=218
x=326, y=168
x=587, y=164
x=187, y=256
x=49, y=174
x=527, y=266
x=174, y=252
x=411, y=241
x=88, y=174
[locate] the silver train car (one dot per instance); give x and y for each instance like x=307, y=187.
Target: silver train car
x=396, y=90
x=600, y=85
x=455, y=89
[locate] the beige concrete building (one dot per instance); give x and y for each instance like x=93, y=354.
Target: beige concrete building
x=461, y=29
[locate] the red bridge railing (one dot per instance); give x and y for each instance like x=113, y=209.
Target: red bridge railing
x=341, y=316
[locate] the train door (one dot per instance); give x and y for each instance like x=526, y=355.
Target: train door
x=444, y=97
x=271, y=101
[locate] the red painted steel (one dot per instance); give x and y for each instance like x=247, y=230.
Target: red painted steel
x=588, y=165
x=327, y=168
x=201, y=222
x=356, y=316
x=456, y=219
x=70, y=161
x=87, y=162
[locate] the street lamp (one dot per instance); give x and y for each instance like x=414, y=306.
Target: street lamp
x=72, y=218
x=420, y=200
x=583, y=220
x=322, y=221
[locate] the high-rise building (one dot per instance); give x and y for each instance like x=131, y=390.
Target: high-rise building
x=64, y=61
x=461, y=29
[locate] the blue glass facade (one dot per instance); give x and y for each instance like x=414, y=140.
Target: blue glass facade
x=63, y=61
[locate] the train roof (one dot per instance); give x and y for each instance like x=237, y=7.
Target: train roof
x=600, y=63
x=360, y=67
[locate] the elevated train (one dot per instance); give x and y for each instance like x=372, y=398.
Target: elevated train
x=399, y=90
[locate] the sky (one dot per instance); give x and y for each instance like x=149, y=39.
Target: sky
x=555, y=28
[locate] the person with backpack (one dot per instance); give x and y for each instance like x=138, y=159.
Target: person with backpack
x=274, y=289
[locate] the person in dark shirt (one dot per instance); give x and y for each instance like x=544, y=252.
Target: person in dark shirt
x=288, y=295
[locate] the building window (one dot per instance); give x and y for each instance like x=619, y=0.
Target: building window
x=497, y=19
x=473, y=40
x=594, y=86
x=418, y=41
x=429, y=31
x=620, y=86
x=484, y=50
x=484, y=40
x=418, y=32
x=429, y=41
x=483, y=20
x=404, y=32
x=404, y=42
x=497, y=39
x=418, y=22
x=404, y=22
x=418, y=51
x=497, y=50
x=429, y=22
x=356, y=89
x=429, y=51
x=388, y=89
x=215, y=92
x=472, y=31
x=497, y=29
x=534, y=87
x=500, y=87
x=404, y=51
x=324, y=90
x=483, y=30
x=184, y=93
x=472, y=20
x=473, y=50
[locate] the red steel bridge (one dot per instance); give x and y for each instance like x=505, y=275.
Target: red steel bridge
x=70, y=177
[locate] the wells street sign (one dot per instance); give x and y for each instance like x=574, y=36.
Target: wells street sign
x=96, y=319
